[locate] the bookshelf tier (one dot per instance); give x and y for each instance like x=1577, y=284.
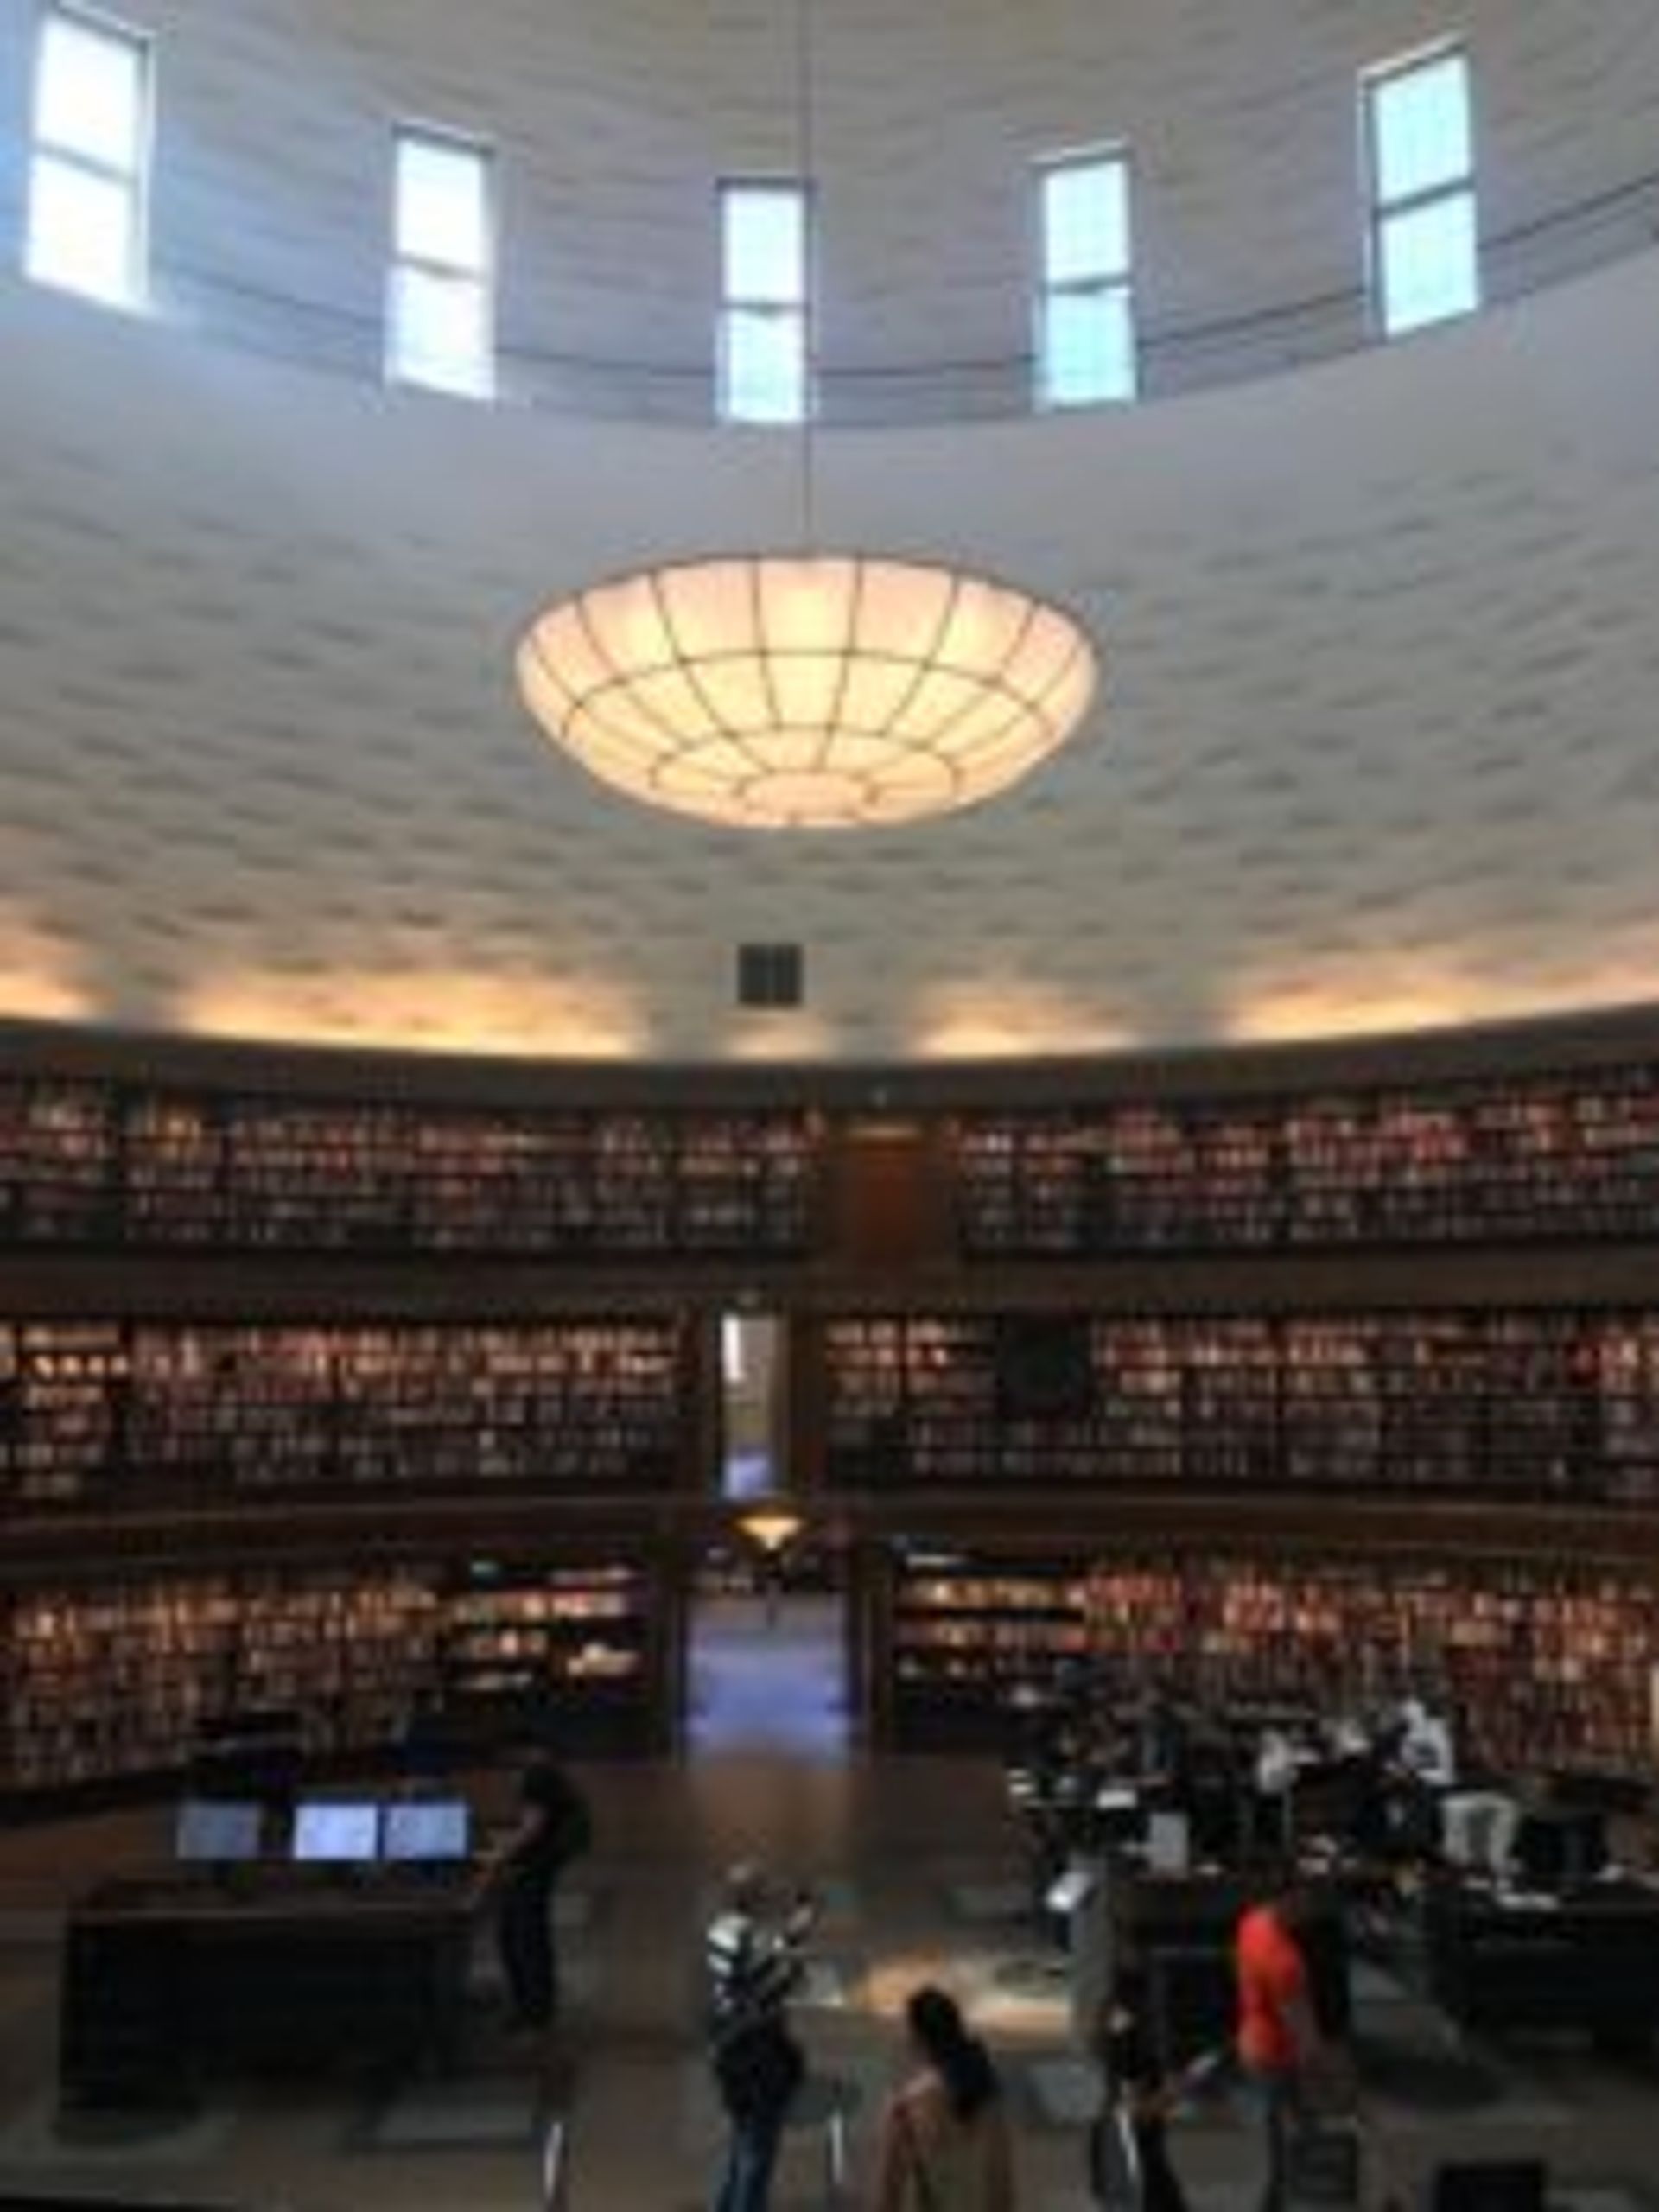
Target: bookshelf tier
x=1547, y=1664
x=107, y=1414
x=113, y=1680
x=100, y=1165
x=1526, y=1158
x=1535, y=1404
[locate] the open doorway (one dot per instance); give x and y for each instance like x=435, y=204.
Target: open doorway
x=753, y=1406
x=766, y=1656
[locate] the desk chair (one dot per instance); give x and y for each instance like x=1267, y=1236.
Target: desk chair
x=825, y=2101
x=554, y=2145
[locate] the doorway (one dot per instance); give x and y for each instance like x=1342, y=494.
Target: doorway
x=767, y=1663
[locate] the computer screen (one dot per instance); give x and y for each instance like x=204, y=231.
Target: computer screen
x=429, y=1829
x=216, y=1831
x=1169, y=1843
x=327, y=1832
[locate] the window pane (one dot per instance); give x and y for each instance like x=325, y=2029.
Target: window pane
x=1420, y=121
x=764, y=366
x=90, y=95
x=765, y=242
x=1085, y=221
x=442, y=203
x=1088, y=347
x=80, y=232
x=1430, y=264
x=440, y=335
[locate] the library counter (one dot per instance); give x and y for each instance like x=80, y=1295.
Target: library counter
x=1586, y=1961
x=165, y=1980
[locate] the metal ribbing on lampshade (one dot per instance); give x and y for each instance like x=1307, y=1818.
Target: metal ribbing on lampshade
x=823, y=691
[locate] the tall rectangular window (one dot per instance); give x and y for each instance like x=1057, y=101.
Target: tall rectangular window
x=1085, y=310
x=764, y=303
x=1419, y=148
x=439, y=313
x=86, y=229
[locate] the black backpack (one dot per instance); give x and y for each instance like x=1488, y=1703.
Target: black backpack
x=759, y=2067
x=573, y=1828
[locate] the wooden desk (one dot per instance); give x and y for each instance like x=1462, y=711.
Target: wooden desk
x=1590, y=1960
x=166, y=1981
x=1181, y=1928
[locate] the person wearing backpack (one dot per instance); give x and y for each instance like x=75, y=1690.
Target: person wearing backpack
x=554, y=1826
x=753, y=1961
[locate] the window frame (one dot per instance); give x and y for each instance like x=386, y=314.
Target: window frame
x=133, y=182
x=798, y=313
x=481, y=280
x=1381, y=212
x=1116, y=286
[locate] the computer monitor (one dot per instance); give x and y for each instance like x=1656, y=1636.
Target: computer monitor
x=1169, y=1844
x=1070, y=1890
x=427, y=1831
x=216, y=1831
x=330, y=1832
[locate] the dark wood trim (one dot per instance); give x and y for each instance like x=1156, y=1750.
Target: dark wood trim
x=1049, y=1525
x=302, y=1288
x=1035, y=1524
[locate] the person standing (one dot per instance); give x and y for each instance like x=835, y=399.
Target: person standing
x=944, y=2144
x=554, y=1826
x=1279, y=2043
x=1138, y=2099
x=753, y=1963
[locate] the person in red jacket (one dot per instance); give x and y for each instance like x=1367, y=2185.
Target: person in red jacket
x=1279, y=2043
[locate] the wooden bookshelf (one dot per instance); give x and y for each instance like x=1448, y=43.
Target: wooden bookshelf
x=107, y=1680
x=571, y=1647
x=1533, y=1157
x=1536, y=1404
x=58, y=1162
x=111, y=1681
x=110, y=1165
x=110, y=1415
x=1548, y=1664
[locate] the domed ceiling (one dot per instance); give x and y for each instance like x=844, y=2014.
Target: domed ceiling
x=1375, y=747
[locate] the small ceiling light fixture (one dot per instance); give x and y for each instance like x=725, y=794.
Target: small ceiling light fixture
x=772, y=1527
x=807, y=690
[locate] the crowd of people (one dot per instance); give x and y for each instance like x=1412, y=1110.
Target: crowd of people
x=1385, y=1784
x=943, y=2140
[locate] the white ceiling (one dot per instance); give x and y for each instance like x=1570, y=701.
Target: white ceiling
x=1378, y=746
x=1378, y=743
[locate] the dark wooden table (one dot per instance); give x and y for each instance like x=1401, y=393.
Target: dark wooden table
x=166, y=1981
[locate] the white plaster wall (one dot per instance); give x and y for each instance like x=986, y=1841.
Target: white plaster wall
x=614, y=117
x=1379, y=744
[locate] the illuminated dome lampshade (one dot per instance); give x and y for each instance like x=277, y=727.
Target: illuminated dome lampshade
x=817, y=692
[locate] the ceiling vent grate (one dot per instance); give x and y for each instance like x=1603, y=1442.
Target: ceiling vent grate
x=771, y=975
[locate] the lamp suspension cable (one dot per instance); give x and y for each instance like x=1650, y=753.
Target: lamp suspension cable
x=807, y=689
x=806, y=161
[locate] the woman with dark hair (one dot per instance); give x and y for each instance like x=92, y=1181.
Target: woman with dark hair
x=944, y=2135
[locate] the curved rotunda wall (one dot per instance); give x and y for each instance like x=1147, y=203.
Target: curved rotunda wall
x=614, y=118
x=1376, y=745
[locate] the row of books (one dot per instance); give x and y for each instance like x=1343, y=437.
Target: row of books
x=1545, y=1663
x=95, y=1163
x=1547, y=1155
x=1540, y=1402
x=118, y=1678
x=93, y=1413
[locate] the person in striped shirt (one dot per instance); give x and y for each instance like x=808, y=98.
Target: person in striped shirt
x=752, y=1959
